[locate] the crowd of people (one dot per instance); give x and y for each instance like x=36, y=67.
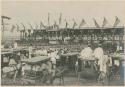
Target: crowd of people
x=102, y=56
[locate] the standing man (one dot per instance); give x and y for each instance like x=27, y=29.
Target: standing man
x=98, y=52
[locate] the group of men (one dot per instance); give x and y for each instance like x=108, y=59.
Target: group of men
x=99, y=54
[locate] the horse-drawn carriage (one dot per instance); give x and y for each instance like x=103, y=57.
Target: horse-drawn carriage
x=9, y=66
x=34, y=69
x=38, y=70
x=69, y=60
x=5, y=57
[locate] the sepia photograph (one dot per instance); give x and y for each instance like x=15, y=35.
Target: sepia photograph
x=62, y=42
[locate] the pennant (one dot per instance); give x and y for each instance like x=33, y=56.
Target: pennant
x=36, y=26
x=117, y=21
x=75, y=24
x=66, y=23
x=31, y=26
x=42, y=25
x=17, y=26
x=55, y=25
x=104, y=22
x=13, y=27
x=82, y=23
x=96, y=24
x=24, y=28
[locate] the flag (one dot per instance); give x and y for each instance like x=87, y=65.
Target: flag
x=66, y=23
x=5, y=17
x=48, y=18
x=13, y=27
x=42, y=25
x=117, y=21
x=55, y=25
x=36, y=25
x=60, y=18
x=75, y=24
x=82, y=23
x=31, y=26
x=96, y=24
x=104, y=22
x=17, y=26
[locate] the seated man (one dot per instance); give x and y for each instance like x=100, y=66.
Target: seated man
x=86, y=53
x=53, y=59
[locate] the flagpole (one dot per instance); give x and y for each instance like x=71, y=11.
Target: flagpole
x=49, y=19
x=3, y=30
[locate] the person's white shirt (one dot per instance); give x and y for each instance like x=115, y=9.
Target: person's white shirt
x=12, y=62
x=98, y=53
x=53, y=57
x=118, y=47
x=86, y=53
x=30, y=51
x=57, y=57
x=44, y=52
x=15, y=45
x=2, y=46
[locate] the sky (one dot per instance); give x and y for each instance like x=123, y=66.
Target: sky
x=32, y=12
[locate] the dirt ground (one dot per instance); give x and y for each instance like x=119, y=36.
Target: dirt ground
x=70, y=79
